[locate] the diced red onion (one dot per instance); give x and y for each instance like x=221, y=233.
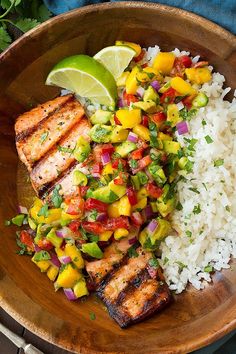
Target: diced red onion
x=96, y=175
x=148, y=211
x=32, y=232
x=22, y=209
x=156, y=85
x=105, y=157
x=101, y=217
x=182, y=127
x=132, y=137
x=144, y=216
x=54, y=260
x=63, y=233
x=180, y=105
x=121, y=103
x=65, y=259
x=140, y=91
x=137, y=218
x=152, y=226
x=132, y=240
x=37, y=248
x=70, y=294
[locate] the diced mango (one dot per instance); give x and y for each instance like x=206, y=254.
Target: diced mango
x=65, y=216
x=74, y=253
x=173, y=114
x=182, y=87
x=164, y=62
x=155, y=72
x=161, y=232
x=119, y=190
x=163, y=136
x=60, y=252
x=131, y=84
x=53, y=214
x=124, y=206
x=68, y=277
x=113, y=210
x=129, y=118
x=104, y=236
x=119, y=233
x=140, y=205
x=43, y=265
x=121, y=81
x=142, y=193
x=143, y=76
x=198, y=75
x=80, y=288
x=132, y=45
x=118, y=134
x=52, y=272
x=142, y=132
x=171, y=147
x=107, y=169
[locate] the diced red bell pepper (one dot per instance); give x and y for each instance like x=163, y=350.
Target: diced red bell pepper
x=144, y=162
x=131, y=194
x=144, y=65
x=116, y=120
x=116, y=163
x=93, y=227
x=109, y=148
x=145, y=121
x=159, y=117
x=139, y=57
x=187, y=101
x=116, y=223
x=83, y=190
x=26, y=239
x=92, y=203
x=129, y=98
x=121, y=178
x=101, y=149
x=178, y=69
x=186, y=61
x=136, y=218
x=76, y=206
x=45, y=244
x=74, y=225
x=137, y=154
x=169, y=96
x=154, y=191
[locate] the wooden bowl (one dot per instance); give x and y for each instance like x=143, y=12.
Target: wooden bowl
x=196, y=318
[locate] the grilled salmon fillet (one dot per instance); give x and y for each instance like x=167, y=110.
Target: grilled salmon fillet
x=129, y=290
x=45, y=139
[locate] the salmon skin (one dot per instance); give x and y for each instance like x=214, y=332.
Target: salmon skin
x=130, y=291
x=45, y=137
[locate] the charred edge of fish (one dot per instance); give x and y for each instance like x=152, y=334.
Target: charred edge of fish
x=47, y=188
x=26, y=133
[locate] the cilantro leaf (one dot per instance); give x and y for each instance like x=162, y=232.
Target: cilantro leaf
x=153, y=262
x=132, y=253
x=208, y=139
x=188, y=233
x=5, y=39
x=208, y=269
x=218, y=162
x=26, y=24
x=41, y=256
x=43, y=14
x=197, y=209
x=56, y=197
x=195, y=190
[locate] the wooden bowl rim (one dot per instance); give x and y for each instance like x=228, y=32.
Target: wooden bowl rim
x=203, y=22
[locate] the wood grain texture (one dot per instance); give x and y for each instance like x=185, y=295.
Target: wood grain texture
x=196, y=318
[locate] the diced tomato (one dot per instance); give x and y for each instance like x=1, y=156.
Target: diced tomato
x=83, y=190
x=116, y=120
x=186, y=61
x=76, y=206
x=45, y=244
x=154, y=191
x=140, y=56
x=109, y=148
x=116, y=223
x=168, y=96
x=26, y=239
x=159, y=117
x=187, y=101
x=101, y=149
x=131, y=194
x=178, y=69
x=129, y=98
x=93, y=227
x=145, y=121
x=92, y=203
x=144, y=65
x=121, y=178
x=137, y=154
x=116, y=163
x=144, y=162
x=74, y=225
x=136, y=218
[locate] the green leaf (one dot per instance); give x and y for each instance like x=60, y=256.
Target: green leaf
x=5, y=39
x=195, y=190
x=43, y=13
x=188, y=233
x=5, y=4
x=26, y=24
x=132, y=253
x=218, y=163
x=208, y=139
x=208, y=269
x=153, y=262
x=197, y=209
x=56, y=197
x=42, y=256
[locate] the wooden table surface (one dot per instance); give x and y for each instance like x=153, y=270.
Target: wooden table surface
x=6, y=347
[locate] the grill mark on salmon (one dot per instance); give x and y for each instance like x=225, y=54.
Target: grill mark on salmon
x=49, y=132
x=55, y=162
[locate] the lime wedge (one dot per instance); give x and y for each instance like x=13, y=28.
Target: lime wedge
x=86, y=77
x=115, y=58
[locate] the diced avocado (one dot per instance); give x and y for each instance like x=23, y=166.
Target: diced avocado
x=162, y=230
x=92, y=249
x=145, y=241
x=53, y=238
x=143, y=178
x=80, y=288
x=165, y=87
x=147, y=106
x=151, y=95
x=182, y=162
x=79, y=178
x=101, y=117
x=164, y=205
x=157, y=173
x=171, y=147
x=104, y=194
x=125, y=148
x=18, y=219
x=82, y=149
x=119, y=190
x=118, y=134
x=101, y=133
x=173, y=114
x=135, y=182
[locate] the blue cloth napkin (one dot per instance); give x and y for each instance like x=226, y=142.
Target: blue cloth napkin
x=222, y=12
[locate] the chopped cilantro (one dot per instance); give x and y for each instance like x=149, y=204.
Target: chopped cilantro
x=204, y=185
x=204, y=122
x=64, y=149
x=41, y=256
x=153, y=134
x=56, y=197
x=179, y=206
x=208, y=139
x=120, y=167
x=197, y=209
x=43, y=137
x=195, y=190
x=188, y=233
x=93, y=214
x=93, y=238
x=166, y=260
x=92, y=316
x=227, y=208
x=181, y=265
x=43, y=211
x=133, y=163
x=132, y=253
x=218, y=162
x=153, y=262
x=208, y=269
